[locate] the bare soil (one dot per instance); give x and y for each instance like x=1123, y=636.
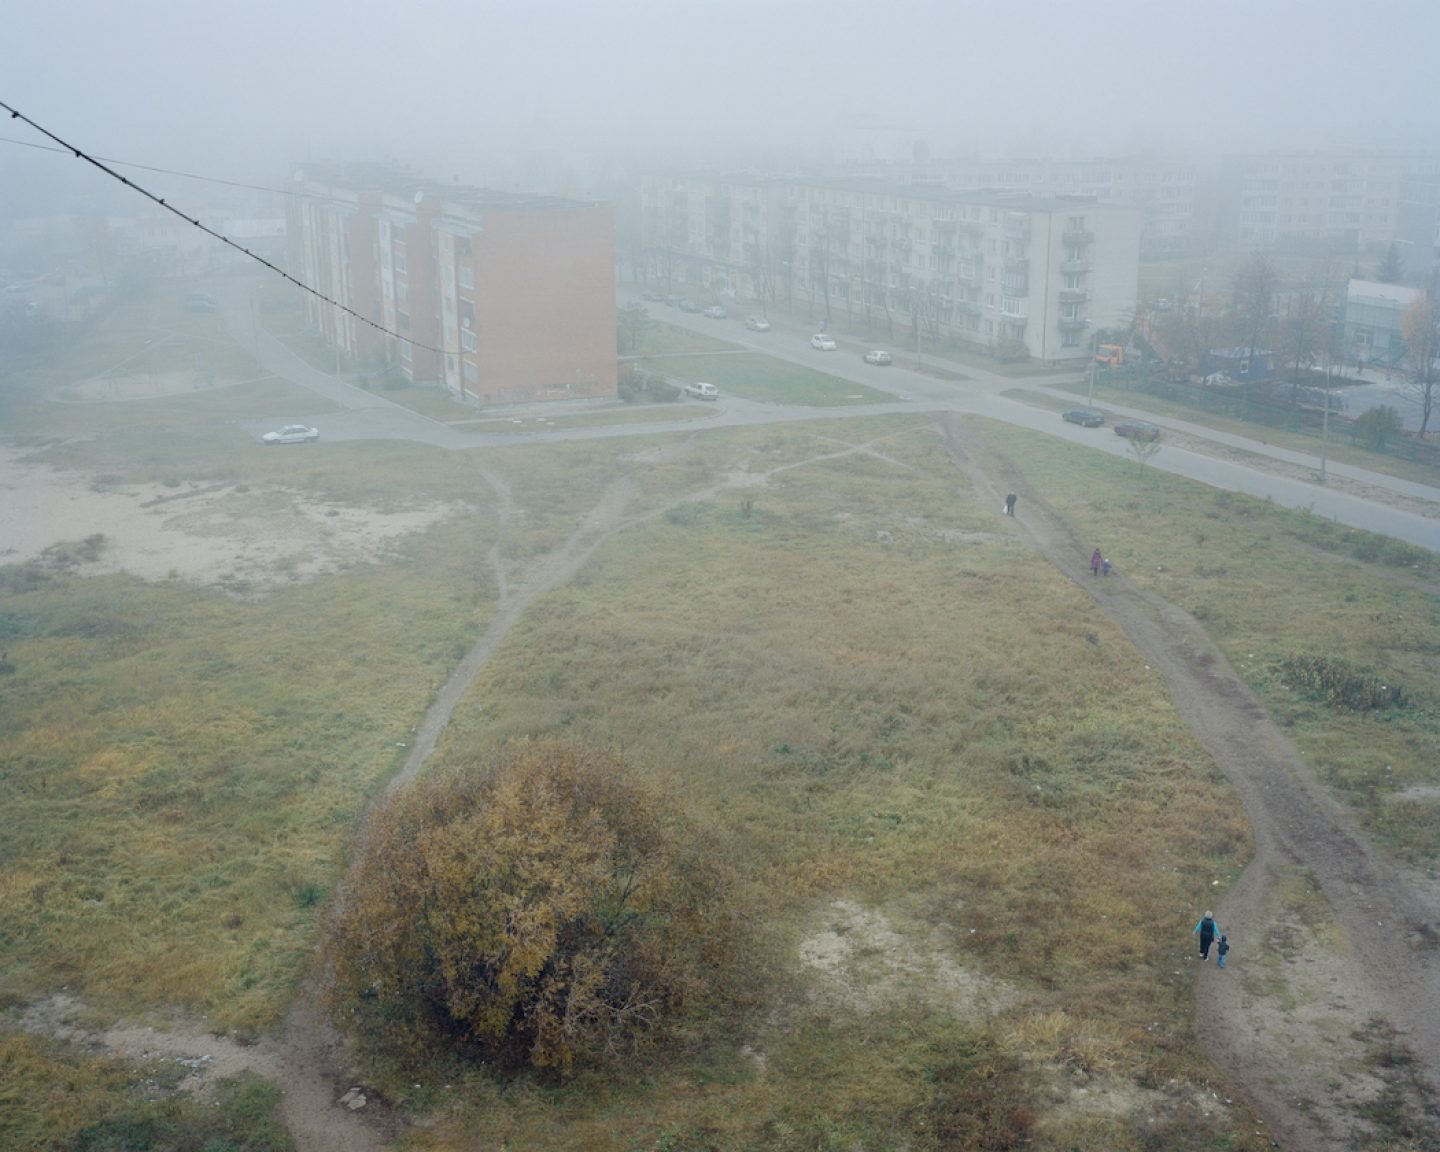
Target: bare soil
x=243, y=540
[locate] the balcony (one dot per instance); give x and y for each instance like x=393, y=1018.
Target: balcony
x=1014, y=307
x=944, y=251
x=968, y=271
x=1077, y=236
x=1015, y=287
x=1073, y=296
x=1075, y=265
x=1017, y=225
x=1073, y=323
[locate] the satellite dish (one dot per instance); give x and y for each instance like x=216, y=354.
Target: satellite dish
x=419, y=196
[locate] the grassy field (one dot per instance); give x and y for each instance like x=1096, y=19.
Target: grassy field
x=929, y=757
x=1273, y=585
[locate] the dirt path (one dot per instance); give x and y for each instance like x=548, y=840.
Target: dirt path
x=1296, y=1034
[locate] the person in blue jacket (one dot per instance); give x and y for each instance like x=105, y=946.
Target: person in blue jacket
x=1220, y=950
x=1208, y=930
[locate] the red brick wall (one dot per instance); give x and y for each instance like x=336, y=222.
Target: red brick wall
x=544, y=304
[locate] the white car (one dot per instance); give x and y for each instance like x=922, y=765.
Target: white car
x=757, y=324
x=714, y=312
x=876, y=356
x=702, y=391
x=292, y=434
x=823, y=342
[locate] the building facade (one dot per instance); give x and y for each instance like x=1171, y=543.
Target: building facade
x=1008, y=272
x=502, y=299
x=1373, y=313
x=1350, y=200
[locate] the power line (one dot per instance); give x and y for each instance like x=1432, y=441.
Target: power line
x=169, y=171
x=15, y=114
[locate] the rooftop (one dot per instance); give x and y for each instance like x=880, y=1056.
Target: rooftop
x=391, y=180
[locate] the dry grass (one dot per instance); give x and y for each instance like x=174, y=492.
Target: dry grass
x=859, y=680
x=1271, y=584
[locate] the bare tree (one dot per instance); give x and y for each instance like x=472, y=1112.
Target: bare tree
x=1420, y=325
x=1304, y=326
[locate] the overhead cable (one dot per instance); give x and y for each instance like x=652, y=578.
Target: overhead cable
x=79, y=154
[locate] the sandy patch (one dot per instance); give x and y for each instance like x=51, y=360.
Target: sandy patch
x=246, y=540
x=202, y=1056
x=867, y=962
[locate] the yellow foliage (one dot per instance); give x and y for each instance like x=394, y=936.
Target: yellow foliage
x=542, y=908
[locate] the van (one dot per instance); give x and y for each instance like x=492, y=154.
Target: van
x=702, y=391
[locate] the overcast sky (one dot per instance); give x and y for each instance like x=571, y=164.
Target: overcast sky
x=477, y=89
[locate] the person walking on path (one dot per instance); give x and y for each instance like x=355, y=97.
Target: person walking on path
x=1010, y=504
x=1104, y=566
x=1220, y=950
x=1095, y=561
x=1208, y=931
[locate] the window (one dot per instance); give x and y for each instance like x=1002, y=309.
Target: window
x=400, y=258
x=402, y=292
x=472, y=374
x=467, y=340
x=467, y=277
x=1070, y=340
x=990, y=299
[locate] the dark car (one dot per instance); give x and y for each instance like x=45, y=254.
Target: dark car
x=1086, y=417
x=1137, y=430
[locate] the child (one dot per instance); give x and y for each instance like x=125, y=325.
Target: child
x=1223, y=947
x=1105, y=565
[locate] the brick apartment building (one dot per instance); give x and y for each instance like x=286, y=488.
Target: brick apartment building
x=501, y=298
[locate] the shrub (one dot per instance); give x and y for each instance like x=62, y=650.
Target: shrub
x=1377, y=425
x=640, y=387
x=1340, y=684
x=537, y=911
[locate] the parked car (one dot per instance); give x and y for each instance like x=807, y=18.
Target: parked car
x=757, y=324
x=702, y=391
x=652, y=296
x=876, y=356
x=292, y=434
x=714, y=312
x=823, y=342
x=1086, y=417
x=689, y=306
x=1137, y=430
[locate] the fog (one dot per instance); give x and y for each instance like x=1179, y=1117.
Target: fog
x=569, y=90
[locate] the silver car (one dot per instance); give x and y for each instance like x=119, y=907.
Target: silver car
x=292, y=434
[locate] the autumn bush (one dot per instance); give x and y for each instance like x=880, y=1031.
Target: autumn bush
x=535, y=910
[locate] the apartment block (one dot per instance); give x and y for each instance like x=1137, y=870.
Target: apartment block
x=1348, y=200
x=1163, y=191
x=500, y=298
x=994, y=270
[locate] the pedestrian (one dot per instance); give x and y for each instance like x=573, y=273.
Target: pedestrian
x=1208, y=931
x=1220, y=950
x=1010, y=504
x=1095, y=559
x=1104, y=566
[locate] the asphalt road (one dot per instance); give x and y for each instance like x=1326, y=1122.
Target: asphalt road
x=1403, y=509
